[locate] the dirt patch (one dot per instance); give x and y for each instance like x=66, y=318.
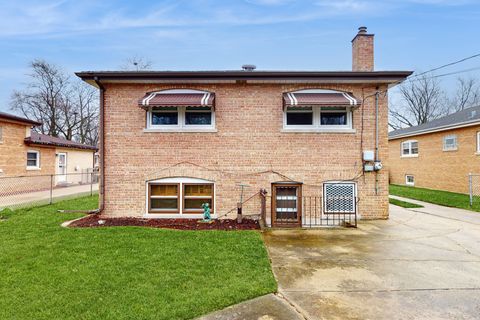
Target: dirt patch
x=180, y=224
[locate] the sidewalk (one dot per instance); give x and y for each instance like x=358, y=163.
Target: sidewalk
x=43, y=197
x=442, y=211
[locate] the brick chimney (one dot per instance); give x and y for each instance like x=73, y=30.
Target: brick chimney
x=362, y=51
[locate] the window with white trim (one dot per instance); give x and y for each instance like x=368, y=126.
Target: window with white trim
x=315, y=117
x=181, y=118
x=409, y=180
x=478, y=142
x=33, y=159
x=450, y=142
x=180, y=196
x=409, y=148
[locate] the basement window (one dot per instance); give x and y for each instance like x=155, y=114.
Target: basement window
x=409, y=180
x=409, y=148
x=179, y=196
x=339, y=197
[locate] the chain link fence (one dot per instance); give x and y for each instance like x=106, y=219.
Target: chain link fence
x=28, y=191
x=474, y=188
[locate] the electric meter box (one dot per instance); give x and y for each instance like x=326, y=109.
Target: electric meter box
x=368, y=155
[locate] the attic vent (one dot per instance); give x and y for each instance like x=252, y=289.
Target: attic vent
x=339, y=197
x=249, y=67
x=474, y=114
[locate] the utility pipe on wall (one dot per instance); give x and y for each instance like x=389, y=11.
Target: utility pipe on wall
x=376, y=140
x=101, y=145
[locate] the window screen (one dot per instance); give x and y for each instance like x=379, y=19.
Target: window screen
x=339, y=198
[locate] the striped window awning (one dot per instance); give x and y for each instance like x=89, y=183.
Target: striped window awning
x=177, y=98
x=307, y=98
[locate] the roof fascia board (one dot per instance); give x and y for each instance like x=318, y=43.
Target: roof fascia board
x=437, y=129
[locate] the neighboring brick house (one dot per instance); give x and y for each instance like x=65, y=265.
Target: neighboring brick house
x=24, y=152
x=174, y=140
x=439, y=154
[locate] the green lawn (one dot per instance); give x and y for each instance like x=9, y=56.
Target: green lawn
x=444, y=198
x=51, y=272
x=404, y=204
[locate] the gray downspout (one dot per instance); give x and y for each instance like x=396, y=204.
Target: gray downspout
x=376, y=140
x=101, y=145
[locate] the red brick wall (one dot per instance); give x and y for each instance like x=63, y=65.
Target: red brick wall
x=249, y=140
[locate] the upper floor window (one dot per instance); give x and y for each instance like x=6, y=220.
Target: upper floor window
x=410, y=148
x=179, y=110
x=450, y=142
x=315, y=117
x=33, y=160
x=478, y=142
x=318, y=110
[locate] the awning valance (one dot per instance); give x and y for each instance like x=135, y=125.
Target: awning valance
x=304, y=99
x=176, y=98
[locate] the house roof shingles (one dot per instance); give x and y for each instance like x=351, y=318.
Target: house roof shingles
x=43, y=139
x=469, y=116
x=12, y=117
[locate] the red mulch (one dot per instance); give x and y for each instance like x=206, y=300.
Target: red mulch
x=180, y=224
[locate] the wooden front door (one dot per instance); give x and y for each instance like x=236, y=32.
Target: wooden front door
x=286, y=205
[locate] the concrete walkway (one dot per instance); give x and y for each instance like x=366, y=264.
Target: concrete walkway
x=420, y=264
x=268, y=307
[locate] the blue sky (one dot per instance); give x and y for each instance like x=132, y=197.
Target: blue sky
x=215, y=34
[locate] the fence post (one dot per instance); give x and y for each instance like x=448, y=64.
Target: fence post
x=470, y=188
x=91, y=184
x=51, y=188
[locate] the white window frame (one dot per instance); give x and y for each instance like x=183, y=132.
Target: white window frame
x=181, y=181
x=181, y=126
x=37, y=166
x=408, y=183
x=316, y=125
x=410, y=154
x=450, y=148
x=478, y=142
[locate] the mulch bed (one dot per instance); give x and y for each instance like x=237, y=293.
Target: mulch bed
x=180, y=224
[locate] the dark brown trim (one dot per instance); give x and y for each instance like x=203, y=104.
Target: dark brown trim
x=274, y=207
x=197, y=211
x=16, y=119
x=234, y=75
x=161, y=211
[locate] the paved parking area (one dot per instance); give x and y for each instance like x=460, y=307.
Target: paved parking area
x=420, y=264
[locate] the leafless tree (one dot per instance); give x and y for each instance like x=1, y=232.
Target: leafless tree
x=67, y=108
x=422, y=100
x=136, y=63
x=467, y=94
x=42, y=95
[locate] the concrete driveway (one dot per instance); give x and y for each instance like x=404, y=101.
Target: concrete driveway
x=420, y=264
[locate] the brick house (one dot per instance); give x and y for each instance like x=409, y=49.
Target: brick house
x=172, y=140
x=439, y=154
x=24, y=152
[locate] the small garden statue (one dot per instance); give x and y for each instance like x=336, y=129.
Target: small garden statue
x=206, y=212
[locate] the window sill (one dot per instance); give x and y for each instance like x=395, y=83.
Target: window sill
x=410, y=156
x=33, y=168
x=166, y=130
x=477, y=153
x=315, y=130
x=450, y=150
